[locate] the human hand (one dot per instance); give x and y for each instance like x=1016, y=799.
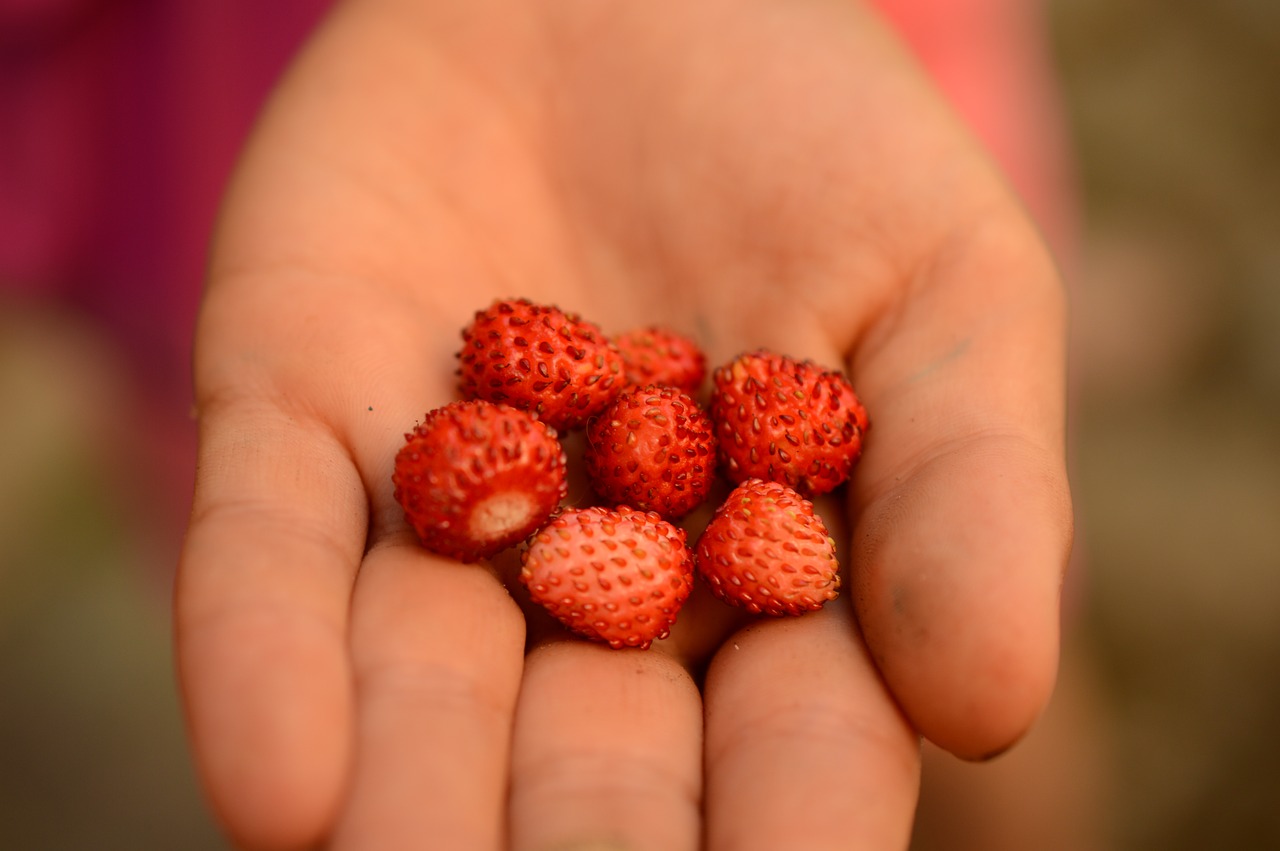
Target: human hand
x=759, y=174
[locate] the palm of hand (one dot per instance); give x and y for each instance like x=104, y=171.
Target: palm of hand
x=774, y=176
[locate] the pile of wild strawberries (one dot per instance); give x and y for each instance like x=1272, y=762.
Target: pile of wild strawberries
x=480, y=475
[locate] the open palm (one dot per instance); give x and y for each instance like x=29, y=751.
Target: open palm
x=753, y=174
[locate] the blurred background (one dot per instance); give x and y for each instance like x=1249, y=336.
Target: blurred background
x=1160, y=737
x=1175, y=111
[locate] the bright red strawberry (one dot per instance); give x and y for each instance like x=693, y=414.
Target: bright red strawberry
x=652, y=449
x=613, y=575
x=767, y=552
x=475, y=478
x=657, y=355
x=539, y=358
x=786, y=420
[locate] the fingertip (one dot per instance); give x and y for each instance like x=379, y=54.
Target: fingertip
x=804, y=745
x=273, y=816
x=994, y=697
x=957, y=589
x=289, y=801
x=272, y=744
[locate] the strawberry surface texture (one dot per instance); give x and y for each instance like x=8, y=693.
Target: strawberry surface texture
x=766, y=551
x=786, y=420
x=540, y=359
x=653, y=449
x=475, y=478
x=657, y=355
x=612, y=575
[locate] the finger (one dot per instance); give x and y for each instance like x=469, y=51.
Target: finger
x=607, y=751
x=805, y=747
x=437, y=647
x=261, y=617
x=964, y=517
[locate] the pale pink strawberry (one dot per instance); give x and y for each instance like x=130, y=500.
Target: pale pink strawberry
x=613, y=575
x=766, y=551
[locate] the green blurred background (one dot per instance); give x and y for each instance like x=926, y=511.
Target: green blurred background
x=1161, y=739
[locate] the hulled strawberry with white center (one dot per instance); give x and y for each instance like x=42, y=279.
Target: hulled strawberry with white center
x=475, y=478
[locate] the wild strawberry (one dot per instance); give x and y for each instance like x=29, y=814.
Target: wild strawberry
x=786, y=420
x=613, y=575
x=475, y=478
x=767, y=552
x=657, y=355
x=652, y=449
x=539, y=358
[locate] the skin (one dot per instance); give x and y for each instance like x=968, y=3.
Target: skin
x=758, y=174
